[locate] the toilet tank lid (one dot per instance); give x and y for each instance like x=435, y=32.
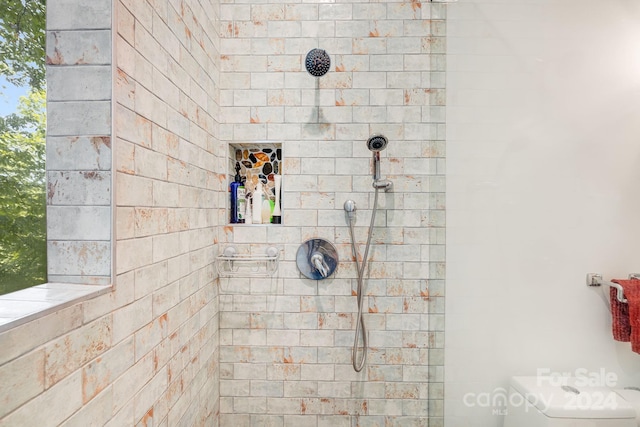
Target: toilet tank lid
x=569, y=398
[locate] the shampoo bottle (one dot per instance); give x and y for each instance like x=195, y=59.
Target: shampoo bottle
x=277, y=213
x=257, y=204
x=266, y=211
x=247, y=218
x=238, y=200
x=242, y=203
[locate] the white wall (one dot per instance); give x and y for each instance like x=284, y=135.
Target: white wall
x=543, y=186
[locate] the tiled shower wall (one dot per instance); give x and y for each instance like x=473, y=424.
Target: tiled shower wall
x=79, y=141
x=146, y=353
x=285, y=355
x=168, y=158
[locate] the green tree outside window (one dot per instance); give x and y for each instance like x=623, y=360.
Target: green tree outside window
x=22, y=147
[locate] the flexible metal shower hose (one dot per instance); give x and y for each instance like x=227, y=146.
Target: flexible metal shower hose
x=360, y=326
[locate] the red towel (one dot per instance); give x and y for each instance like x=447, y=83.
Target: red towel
x=620, y=317
x=626, y=316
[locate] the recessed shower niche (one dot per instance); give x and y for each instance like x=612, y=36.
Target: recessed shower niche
x=255, y=183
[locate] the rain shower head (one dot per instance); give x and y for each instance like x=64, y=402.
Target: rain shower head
x=377, y=143
x=317, y=62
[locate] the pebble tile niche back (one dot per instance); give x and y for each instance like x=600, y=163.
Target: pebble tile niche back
x=259, y=163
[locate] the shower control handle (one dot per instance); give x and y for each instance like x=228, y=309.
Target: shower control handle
x=317, y=259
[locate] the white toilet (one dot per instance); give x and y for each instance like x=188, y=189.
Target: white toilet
x=567, y=402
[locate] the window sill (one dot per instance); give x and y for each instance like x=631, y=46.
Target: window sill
x=32, y=303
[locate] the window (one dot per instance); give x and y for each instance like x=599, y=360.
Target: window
x=78, y=176
x=22, y=145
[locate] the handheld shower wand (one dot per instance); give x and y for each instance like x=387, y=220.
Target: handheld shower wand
x=377, y=143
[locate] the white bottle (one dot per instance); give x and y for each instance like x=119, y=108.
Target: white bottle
x=248, y=217
x=257, y=204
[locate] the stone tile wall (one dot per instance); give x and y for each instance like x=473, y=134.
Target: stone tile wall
x=79, y=141
x=285, y=355
x=167, y=157
x=153, y=352
x=146, y=353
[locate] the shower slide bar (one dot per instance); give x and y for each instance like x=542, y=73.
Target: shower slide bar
x=595, y=279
